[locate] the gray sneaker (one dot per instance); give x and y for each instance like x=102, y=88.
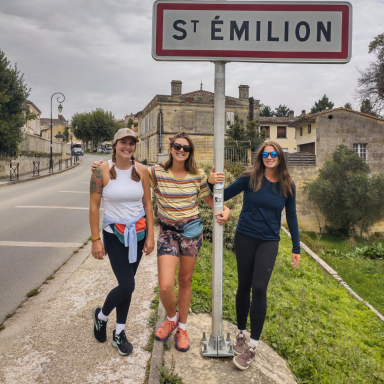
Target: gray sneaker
x=239, y=344
x=244, y=360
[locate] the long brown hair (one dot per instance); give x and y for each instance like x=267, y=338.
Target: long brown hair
x=190, y=163
x=112, y=172
x=287, y=187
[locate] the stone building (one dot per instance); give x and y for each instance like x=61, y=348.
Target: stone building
x=278, y=130
x=58, y=125
x=32, y=126
x=320, y=134
x=191, y=112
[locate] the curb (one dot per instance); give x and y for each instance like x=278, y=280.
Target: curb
x=39, y=177
x=158, y=350
x=27, y=310
x=334, y=274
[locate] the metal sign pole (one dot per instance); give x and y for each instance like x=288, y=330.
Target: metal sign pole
x=217, y=345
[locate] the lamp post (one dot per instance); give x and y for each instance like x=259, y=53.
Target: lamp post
x=60, y=108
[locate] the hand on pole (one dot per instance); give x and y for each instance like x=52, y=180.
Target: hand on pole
x=295, y=260
x=223, y=216
x=217, y=177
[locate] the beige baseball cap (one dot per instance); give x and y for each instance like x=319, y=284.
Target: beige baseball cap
x=125, y=132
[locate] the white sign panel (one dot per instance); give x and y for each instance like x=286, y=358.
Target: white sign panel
x=301, y=32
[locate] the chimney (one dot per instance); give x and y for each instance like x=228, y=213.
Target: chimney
x=291, y=115
x=243, y=92
x=176, y=87
x=303, y=113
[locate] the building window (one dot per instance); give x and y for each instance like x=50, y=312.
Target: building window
x=285, y=150
x=361, y=150
x=230, y=118
x=309, y=128
x=301, y=131
x=266, y=130
x=281, y=132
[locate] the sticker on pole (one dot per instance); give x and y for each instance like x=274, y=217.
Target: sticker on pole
x=265, y=31
x=219, y=185
x=218, y=200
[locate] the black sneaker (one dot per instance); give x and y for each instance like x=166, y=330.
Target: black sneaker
x=121, y=342
x=99, y=326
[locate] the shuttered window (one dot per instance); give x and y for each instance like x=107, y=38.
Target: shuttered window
x=281, y=132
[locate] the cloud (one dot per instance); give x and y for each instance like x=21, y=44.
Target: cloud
x=99, y=55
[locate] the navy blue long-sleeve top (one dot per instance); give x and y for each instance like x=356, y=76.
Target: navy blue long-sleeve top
x=260, y=216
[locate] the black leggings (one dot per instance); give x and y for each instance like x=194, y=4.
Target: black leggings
x=255, y=261
x=120, y=296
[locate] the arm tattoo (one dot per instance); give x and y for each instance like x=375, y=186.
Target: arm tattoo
x=97, y=181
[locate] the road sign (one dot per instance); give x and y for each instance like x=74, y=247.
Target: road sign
x=293, y=32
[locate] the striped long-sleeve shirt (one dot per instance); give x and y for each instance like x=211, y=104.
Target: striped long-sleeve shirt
x=177, y=198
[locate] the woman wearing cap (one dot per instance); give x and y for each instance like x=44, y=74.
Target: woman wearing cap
x=178, y=185
x=268, y=189
x=127, y=229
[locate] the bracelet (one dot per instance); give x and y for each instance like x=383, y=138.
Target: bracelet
x=95, y=238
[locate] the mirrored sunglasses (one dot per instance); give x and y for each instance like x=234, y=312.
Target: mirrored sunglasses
x=178, y=146
x=266, y=154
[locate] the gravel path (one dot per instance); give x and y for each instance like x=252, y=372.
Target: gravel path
x=57, y=345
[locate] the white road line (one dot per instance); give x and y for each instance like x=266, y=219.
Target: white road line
x=49, y=207
x=75, y=191
x=39, y=244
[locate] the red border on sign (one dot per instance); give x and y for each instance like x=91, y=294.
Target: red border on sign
x=342, y=55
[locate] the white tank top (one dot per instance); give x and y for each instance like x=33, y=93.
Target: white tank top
x=122, y=197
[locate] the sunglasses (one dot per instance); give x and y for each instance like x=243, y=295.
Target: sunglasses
x=178, y=146
x=266, y=154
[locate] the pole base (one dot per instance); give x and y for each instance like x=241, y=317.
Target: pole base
x=216, y=346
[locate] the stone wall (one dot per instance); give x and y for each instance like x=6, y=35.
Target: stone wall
x=33, y=143
x=309, y=217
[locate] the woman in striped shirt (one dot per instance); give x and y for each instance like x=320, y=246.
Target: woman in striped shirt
x=178, y=184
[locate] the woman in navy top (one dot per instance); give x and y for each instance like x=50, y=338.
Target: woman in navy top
x=268, y=189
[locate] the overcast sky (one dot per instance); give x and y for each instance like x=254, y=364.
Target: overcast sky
x=98, y=53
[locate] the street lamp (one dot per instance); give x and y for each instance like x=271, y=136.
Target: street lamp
x=60, y=108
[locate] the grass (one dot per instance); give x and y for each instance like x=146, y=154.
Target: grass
x=324, y=334
x=364, y=276
x=33, y=292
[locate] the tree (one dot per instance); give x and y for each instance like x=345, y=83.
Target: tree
x=130, y=123
x=366, y=107
x=281, y=111
x=238, y=131
x=97, y=125
x=348, y=105
x=371, y=81
x=345, y=194
x=322, y=105
x=13, y=93
x=266, y=111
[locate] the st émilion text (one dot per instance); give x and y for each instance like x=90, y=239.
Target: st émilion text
x=250, y=31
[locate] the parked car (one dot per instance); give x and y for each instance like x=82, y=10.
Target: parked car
x=108, y=149
x=78, y=151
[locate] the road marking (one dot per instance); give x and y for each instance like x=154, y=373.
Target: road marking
x=54, y=207
x=39, y=244
x=75, y=191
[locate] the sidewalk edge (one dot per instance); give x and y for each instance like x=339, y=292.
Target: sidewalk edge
x=157, y=351
x=32, y=306
x=39, y=177
x=334, y=274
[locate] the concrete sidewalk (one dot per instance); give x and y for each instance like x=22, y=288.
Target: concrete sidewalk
x=49, y=339
x=42, y=173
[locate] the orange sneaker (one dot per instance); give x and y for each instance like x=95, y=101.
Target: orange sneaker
x=165, y=330
x=181, y=340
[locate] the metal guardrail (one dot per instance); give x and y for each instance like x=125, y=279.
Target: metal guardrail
x=14, y=171
x=36, y=168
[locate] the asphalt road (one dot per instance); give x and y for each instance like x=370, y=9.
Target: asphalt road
x=40, y=227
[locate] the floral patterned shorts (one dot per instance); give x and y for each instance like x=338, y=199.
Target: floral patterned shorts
x=174, y=243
